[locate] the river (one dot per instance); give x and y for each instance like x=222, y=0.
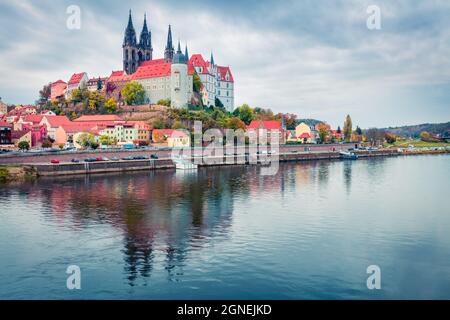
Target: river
x=308, y=232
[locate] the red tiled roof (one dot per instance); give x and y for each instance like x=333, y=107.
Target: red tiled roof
x=5, y=124
x=305, y=135
x=78, y=127
x=76, y=78
x=152, y=69
x=100, y=118
x=33, y=118
x=268, y=125
x=58, y=82
x=57, y=121
x=170, y=132
x=120, y=75
x=222, y=71
x=197, y=60
x=17, y=134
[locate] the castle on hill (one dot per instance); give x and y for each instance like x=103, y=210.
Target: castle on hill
x=167, y=78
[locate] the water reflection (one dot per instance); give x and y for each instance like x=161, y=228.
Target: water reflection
x=305, y=226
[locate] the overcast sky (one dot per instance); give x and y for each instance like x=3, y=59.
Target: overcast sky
x=316, y=59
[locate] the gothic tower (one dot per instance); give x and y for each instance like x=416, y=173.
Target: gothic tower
x=145, y=43
x=130, y=48
x=169, y=52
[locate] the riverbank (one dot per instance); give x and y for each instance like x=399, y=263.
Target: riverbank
x=20, y=173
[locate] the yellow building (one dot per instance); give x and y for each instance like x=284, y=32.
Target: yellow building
x=303, y=133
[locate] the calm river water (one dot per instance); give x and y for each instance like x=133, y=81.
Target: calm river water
x=309, y=232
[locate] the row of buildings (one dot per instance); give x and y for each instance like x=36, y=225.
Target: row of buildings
x=60, y=131
x=167, y=78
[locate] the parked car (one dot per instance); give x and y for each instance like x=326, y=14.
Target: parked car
x=54, y=161
x=140, y=158
x=127, y=158
x=153, y=156
x=115, y=159
x=90, y=160
x=75, y=161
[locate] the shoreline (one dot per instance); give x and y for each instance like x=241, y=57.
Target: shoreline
x=10, y=174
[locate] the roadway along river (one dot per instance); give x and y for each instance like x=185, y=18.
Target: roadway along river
x=310, y=231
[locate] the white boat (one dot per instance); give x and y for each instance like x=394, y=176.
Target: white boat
x=184, y=164
x=348, y=155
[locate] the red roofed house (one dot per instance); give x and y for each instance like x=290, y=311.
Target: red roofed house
x=52, y=123
x=171, y=137
x=93, y=84
x=58, y=89
x=257, y=127
x=225, y=87
x=99, y=118
x=18, y=136
x=207, y=73
x=115, y=83
x=163, y=80
x=77, y=81
x=303, y=133
x=3, y=108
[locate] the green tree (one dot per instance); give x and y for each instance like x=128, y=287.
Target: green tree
x=164, y=102
x=111, y=106
x=390, y=137
x=105, y=140
x=235, y=123
x=23, y=145
x=218, y=103
x=160, y=123
x=425, y=136
x=196, y=82
x=348, y=128
x=46, y=143
x=245, y=113
x=133, y=93
x=324, y=132
x=86, y=140
x=177, y=125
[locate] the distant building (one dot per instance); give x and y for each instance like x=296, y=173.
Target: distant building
x=77, y=81
x=256, y=129
x=303, y=133
x=57, y=89
x=171, y=137
x=3, y=108
x=5, y=133
x=18, y=136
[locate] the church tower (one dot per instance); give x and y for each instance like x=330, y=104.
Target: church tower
x=145, y=43
x=179, y=85
x=130, y=48
x=169, y=52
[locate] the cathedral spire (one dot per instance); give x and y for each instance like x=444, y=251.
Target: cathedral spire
x=179, y=47
x=186, y=55
x=130, y=34
x=168, y=53
x=212, y=59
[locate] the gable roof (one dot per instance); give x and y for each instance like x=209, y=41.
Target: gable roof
x=269, y=125
x=5, y=124
x=76, y=78
x=119, y=75
x=33, y=118
x=152, y=69
x=57, y=121
x=222, y=72
x=100, y=117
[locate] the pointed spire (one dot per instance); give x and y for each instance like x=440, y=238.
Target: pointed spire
x=168, y=53
x=169, y=44
x=130, y=34
x=179, y=47
x=144, y=28
x=212, y=59
x=186, y=55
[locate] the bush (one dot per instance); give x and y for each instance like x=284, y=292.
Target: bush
x=23, y=145
x=46, y=143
